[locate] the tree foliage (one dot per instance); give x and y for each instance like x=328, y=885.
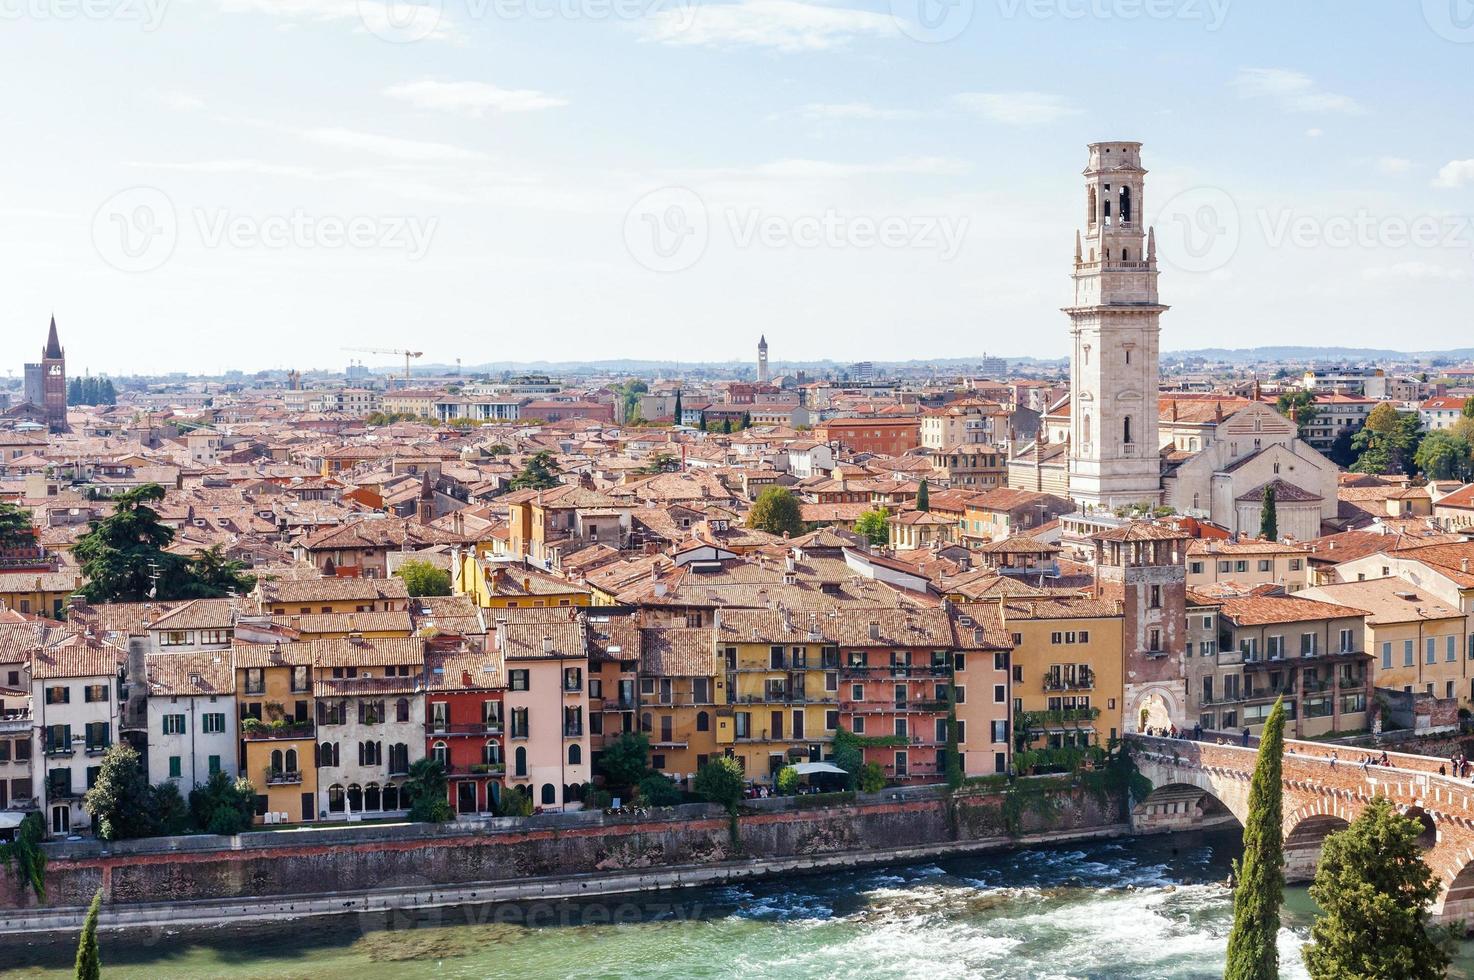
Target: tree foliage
x=1303, y=403
x=660, y=463
x=24, y=855
x=425, y=786
x=720, y=781
x=422, y=578
x=120, y=800
x=871, y=778
x=91, y=391
x=923, y=497
x=1269, y=521
x=1442, y=455
x=16, y=529
x=625, y=760
x=1252, y=950
x=540, y=472
x=222, y=805
x=89, y=960
x=1374, y=889
x=787, y=781
x=876, y=526
x=1388, y=442
x=123, y=557
x=658, y=790
x=777, y=512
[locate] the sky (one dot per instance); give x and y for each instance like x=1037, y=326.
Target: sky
x=205, y=185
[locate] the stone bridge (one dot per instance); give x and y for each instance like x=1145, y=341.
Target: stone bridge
x=1325, y=787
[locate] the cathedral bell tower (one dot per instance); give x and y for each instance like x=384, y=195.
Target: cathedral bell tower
x=1115, y=329
x=54, y=381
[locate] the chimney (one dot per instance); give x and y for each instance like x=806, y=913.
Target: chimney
x=874, y=630
x=547, y=644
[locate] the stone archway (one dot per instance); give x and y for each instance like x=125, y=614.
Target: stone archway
x=1179, y=806
x=1456, y=904
x=1153, y=708
x=1305, y=832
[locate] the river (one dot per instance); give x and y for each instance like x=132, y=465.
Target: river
x=1139, y=909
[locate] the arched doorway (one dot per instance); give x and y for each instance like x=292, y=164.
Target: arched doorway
x=1155, y=708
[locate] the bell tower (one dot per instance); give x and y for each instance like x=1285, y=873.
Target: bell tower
x=1115, y=331
x=54, y=381
x=762, y=360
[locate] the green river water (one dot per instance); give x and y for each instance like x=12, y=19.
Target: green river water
x=1135, y=909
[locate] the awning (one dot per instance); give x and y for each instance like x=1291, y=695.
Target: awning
x=10, y=819
x=809, y=768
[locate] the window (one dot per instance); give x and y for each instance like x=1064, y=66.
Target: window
x=859, y=725
x=519, y=722
x=1407, y=653
x=176, y=769
x=175, y=725
x=215, y=636
x=98, y=737
x=517, y=680
x=1000, y=693
x=255, y=680
x=300, y=678
x=401, y=710
x=1156, y=597
x=174, y=638
x=1386, y=656
x=58, y=695
x=1265, y=565
x=214, y=764
x=1452, y=651
x=1308, y=644
x=213, y=723
x=1196, y=567
x=1430, y=650
x=1346, y=641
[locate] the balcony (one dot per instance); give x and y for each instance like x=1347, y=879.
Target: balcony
x=477, y=769
x=96, y=750
x=60, y=751
x=255, y=730
x=572, y=731
x=282, y=777
x=492, y=728
x=1052, y=683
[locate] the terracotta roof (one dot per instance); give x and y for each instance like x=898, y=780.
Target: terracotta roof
x=181, y=674
x=1262, y=610
x=78, y=655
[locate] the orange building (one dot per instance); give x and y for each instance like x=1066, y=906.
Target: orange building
x=891, y=436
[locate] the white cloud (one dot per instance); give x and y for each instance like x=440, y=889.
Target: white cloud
x=393, y=147
x=471, y=98
x=1455, y=174
x=1394, y=165
x=853, y=110
x=389, y=19
x=1315, y=132
x=1017, y=108
x=1293, y=91
x=1415, y=272
x=786, y=25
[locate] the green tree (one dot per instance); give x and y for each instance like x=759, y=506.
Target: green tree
x=1468, y=410
x=540, y=472
x=923, y=497
x=120, y=554
x=676, y=413
x=1387, y=442
x=625, y=761
x=788, y=780
x=1303, y=404
x=1342, y=452
x=871, y=778
x=170, y=812
x=1373, y=890
x=1252, y=950
x=954, y=753
x=16, y=530
x=214, y=575
x=720, y=781
x=422, y=578
x=657, y=790
x=515, y=801
x=660, y=463
x=25, y=856
x=727, y=426
x=1269, y=521
x=629, y=395
x=1444, y=456
x=777, y=512
x=120, y=800
x=89, y=960
x=425, y=786
x=876, y=526
x=222, y=805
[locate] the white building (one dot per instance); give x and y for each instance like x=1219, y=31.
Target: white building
x=191, y=718
x=1115, y=328
x=74, y=698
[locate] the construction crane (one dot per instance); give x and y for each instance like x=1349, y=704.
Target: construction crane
x=407, y=354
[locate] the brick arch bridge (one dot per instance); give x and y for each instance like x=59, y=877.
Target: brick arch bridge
x=1197, y=780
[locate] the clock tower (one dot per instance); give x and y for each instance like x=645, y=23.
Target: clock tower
x=54, y=382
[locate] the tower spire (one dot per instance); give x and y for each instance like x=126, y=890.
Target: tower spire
x=53, y=345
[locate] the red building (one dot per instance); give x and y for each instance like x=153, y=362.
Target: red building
x=890, y=436
x=463, y=720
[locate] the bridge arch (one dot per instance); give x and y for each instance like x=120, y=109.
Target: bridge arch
x=1429, y=837
x=1456, y=903
x=1182, y=805
x=1306, y=830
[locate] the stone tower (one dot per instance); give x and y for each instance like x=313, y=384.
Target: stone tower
x=1115, y=328
x=54, y=381
x=762, y=360
x=1143, y=564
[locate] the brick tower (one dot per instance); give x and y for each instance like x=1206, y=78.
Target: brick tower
x=54, y=381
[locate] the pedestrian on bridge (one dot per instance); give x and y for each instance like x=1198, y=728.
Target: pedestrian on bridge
x=1246, y=737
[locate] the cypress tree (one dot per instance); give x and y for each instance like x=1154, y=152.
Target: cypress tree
x=89, y=963
x=923, y=497
x=1259, y=890
x=1269, y=521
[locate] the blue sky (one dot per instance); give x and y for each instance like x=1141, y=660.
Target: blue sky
x=208, y=184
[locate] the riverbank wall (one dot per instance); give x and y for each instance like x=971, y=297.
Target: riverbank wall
x=368, y=868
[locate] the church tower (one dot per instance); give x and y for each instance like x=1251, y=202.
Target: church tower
x=1115, y=328
x=762, y=360
x=54, y=381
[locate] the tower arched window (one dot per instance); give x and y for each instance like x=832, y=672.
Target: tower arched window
x=575, y=754
x=521, y=757
x=1093, y=211
x=1125, y=204
x=1125, y=255
x=1126, y=430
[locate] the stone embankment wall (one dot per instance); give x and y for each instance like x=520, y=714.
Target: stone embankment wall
x=364, y=860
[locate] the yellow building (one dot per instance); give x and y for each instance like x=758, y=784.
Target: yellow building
x=779, y=689
x=1067, y=669
x=509, y=585
x=677, y=698
x=273, y=692
x=38, y=593
x=301, y=596
x=1416, y=640
x=338, y=626
x=1210, y=562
